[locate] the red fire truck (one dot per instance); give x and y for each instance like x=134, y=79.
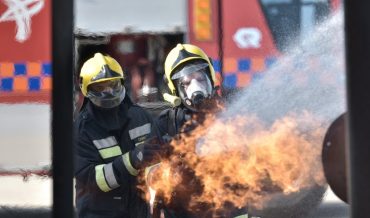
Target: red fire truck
x=248, y=36
x=25, y=51
x=245, y=36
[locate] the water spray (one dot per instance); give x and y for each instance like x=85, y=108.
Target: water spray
x=264, y=151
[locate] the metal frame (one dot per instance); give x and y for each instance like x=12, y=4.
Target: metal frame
x=220, y=39
x=62, y=108
x=357, y=30
x=357, y=33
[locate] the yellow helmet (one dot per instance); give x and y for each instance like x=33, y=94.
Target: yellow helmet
x=99, y=68
x=185, y=53
x=101, y=81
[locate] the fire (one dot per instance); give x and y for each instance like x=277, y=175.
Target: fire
x=152, y=193
x=241, y=161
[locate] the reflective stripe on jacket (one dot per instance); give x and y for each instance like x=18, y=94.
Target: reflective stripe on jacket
x=105, y=180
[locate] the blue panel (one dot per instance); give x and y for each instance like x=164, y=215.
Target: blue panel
x=230, y=81
x=34, y=84
x=244, y=65
x=216, y=65
x=46, y=69
x=20, y=69
x=7, y=84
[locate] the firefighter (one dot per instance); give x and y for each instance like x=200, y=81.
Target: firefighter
x=193, y=92
x=192, y=85
x=113, y=144
x=191, y=80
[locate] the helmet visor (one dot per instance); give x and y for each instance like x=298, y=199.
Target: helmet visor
x=189, y=68
x=195, y=81
x=100, y=89
x=106, y=94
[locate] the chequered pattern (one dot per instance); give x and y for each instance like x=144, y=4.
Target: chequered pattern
x=37, y=76
x=241, y=72
x=25, y=76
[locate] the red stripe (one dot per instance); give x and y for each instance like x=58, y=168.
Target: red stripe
x=43, y=97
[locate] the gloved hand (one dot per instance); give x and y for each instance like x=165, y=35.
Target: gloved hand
x=148, y=153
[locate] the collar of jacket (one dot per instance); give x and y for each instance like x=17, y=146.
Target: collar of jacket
x=113, y=118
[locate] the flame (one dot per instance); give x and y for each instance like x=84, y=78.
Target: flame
x=242, y=161
x=152, y=193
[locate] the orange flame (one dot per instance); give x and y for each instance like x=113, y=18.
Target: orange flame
x=242, y=161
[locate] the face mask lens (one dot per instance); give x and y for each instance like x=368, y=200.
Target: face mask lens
x=187, y=79
x=106, y=88
x=184, y=84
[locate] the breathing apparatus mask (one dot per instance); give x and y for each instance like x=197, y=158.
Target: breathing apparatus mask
x=106, y=94
x=193, y=85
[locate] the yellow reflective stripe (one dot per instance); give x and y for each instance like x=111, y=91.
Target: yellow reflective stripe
x=110, y=152
x=139, y=143
x=100, y=178
x=129, y=167
x=243, y=216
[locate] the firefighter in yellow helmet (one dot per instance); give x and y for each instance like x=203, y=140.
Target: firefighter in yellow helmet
x=113, y=144
x=191, y=80
x=192, y=85
x=190, y=76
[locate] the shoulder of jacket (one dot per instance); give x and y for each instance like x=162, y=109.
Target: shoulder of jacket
x=84, y=115
x=82, y=119
x=181, y=111
x=156, y=109
x=167, y=111
x=138, y=113
x=134, y=108
x=175, y=114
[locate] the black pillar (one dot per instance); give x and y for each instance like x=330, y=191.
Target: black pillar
x=220, y=37
x=62, y=57
x=357, y=32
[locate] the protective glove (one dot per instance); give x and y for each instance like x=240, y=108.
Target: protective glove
x=148, y=153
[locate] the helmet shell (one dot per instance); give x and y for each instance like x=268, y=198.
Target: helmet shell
x=182, y=54
x=99, y=68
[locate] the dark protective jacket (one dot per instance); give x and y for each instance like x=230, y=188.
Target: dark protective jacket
x=105, y=180
x=171, y=121
x=175, y=120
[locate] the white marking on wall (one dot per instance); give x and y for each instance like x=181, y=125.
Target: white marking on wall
x=248, y=37
x=21, y=12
